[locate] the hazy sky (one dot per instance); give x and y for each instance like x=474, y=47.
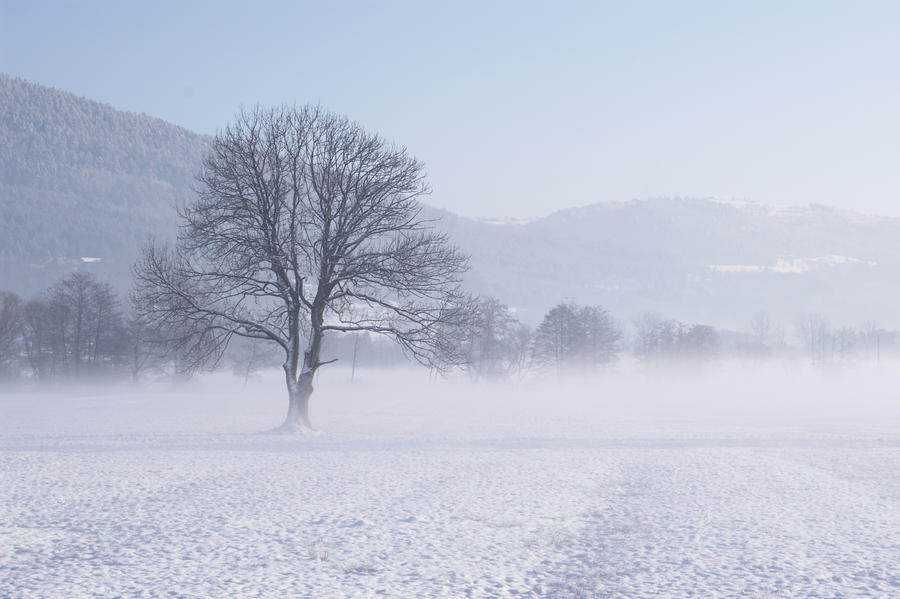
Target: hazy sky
x=518, y=108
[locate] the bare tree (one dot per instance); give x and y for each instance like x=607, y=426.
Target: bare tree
x=140, y=353
x=84, y=324
x=871, y=337
x=662, y=340
x=845, y=341
x=761, y=328
x=698, y=342
x=572, y=335
x=108, y=336
x=496, y=341
x=600, y=336
x=521, y=355
x=764, y=339
x=656, y=337
x=815, y=333
x=11, y=327
x=38, y=348
x=556, y=338
x=70, y=305
x=305, y=225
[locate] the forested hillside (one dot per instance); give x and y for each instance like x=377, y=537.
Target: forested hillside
x=79, y=179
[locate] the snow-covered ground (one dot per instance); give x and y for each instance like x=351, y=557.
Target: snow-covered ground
x=777, y=482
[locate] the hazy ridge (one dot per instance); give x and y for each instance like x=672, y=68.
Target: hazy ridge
x=79, y=179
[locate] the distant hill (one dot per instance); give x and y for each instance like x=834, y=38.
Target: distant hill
x=79, y=179
x=82, y=185
x=695, y=259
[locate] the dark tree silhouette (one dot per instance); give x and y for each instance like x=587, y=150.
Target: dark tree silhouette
x=76, y=329
x=496, y=344
x=11, y=326
x=572, y=335
x=306, y=224
x=663, y=340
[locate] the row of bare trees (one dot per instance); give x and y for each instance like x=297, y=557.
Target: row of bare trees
x=569, y=337
x=572, y=337
x=75, y=329
x=78, y=329
x=825, y=343
x=11, y=316
x=665, y=340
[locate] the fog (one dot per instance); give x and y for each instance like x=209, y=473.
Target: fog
x=767, y=479
x=784, y=400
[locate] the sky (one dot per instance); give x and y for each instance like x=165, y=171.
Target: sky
x=519, y=109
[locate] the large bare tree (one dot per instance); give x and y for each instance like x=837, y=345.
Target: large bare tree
x=305, y=224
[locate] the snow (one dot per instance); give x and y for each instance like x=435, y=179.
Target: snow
x=778, y=482
x=792, y=265
x=837, y=259
x=737, y=268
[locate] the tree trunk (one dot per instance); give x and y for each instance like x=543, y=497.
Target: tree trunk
x=297, y=419
x=300, y=388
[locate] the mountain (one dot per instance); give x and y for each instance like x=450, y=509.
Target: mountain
x=695, y=259
x=82, y=185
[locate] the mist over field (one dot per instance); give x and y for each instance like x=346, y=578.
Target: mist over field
x=733, y=480
x=778, y=399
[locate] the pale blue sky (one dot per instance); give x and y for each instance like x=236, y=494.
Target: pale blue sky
x=521, y=108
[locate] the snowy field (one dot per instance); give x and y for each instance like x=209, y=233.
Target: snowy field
x=776, y=482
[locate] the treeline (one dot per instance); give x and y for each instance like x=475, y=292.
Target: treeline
x=76, y=328
x=572, y=337
x=79, y=328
